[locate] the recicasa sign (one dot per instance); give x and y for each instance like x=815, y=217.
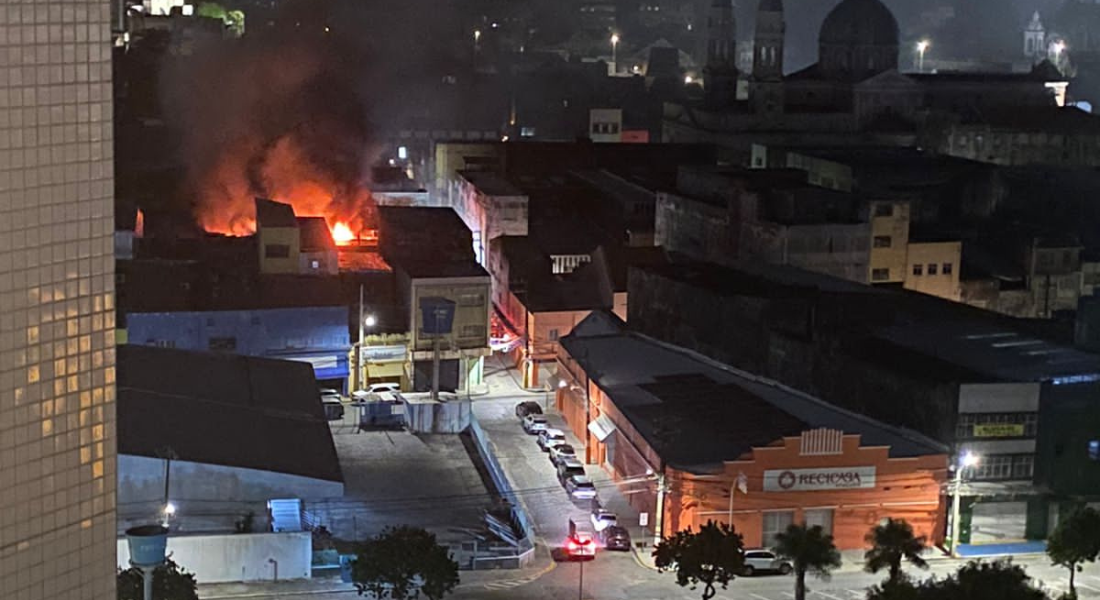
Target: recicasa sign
x=808, y=480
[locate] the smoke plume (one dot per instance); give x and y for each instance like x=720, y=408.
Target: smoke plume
x=279, y=114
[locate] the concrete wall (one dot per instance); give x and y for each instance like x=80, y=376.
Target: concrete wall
x=238, y=557
x=208, y=497
x=279, y=236
x=424, y=416
x=922, y=255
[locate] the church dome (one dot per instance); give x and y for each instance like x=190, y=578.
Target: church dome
x=859, y=22
x=859, y=39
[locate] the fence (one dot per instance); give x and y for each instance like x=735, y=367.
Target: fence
x=238, y=557
x=525, y=551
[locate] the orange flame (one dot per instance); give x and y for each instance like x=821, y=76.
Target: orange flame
x=342, y=234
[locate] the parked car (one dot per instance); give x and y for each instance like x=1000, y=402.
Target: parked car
x=614, y=537
x=550, y=436
x=329, y=394
x=581, y=545
x=529, y=407
x=764, y=561
x=334, y=410
x=389, y=386
x=568, y=468
x=602, y=519
x=560, y=452
x=533, y=424
x=580, y=487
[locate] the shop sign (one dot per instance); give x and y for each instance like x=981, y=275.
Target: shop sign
x=999, y=430
x=808, y=480
x=383, y=353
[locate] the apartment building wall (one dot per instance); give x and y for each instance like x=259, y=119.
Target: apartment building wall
x=933, y=268
x=57, y=378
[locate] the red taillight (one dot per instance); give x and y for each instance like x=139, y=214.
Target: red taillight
x=572, y=546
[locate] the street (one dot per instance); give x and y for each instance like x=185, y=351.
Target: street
x=612, y=575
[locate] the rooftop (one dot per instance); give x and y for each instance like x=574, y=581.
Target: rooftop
x=315, y=234
x=240, y=412
x=274, y=214
x=699, y=413
x=491, y=183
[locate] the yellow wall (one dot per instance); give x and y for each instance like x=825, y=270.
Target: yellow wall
x=620, y=305
x=923, y=254
x=896, y=228
x=287, y=236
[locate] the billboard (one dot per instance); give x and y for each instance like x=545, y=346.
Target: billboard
x=809, y=480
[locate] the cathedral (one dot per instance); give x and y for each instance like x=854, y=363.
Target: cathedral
x=854, y=88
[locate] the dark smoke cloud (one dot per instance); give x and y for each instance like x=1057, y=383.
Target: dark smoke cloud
x=280, y=113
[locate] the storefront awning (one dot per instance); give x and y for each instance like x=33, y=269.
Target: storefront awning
x=602, y=427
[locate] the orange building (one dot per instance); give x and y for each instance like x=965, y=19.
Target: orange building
x=691, y=440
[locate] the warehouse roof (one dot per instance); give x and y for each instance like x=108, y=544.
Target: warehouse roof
x=223, y=409
x=697, y=412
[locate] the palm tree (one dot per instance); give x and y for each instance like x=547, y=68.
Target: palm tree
x=892, y=541
x=808, y=549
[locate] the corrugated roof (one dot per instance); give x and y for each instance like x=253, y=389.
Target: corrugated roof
x=643, y=375
x=223, y=409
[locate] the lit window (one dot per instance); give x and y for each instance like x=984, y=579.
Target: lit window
x=313, y=264
x=1094, y=449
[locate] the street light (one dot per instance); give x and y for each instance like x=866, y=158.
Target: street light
x=921, y=47
x=615, y=52
x=370, y=321
x=966, y=460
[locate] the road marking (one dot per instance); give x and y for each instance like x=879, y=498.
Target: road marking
x=857, y=593
x=787, y=594
x=758, y=596
x=1094, y=577
x=830, y=596
x=1087, y=586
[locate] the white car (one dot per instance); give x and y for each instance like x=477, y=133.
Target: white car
x=533, y=424
x=560, y=452
x=580, y=487
x=329, y=395
x=602, y=519
x=550, y=437
x=764, y=561
x=378, y=388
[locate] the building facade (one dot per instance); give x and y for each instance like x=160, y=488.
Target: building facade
x=57, y=374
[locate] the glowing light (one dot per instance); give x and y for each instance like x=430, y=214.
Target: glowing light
x=370, y=321
x=969, y=459
x=1059, y=47
x=688, y=79
x=614, y=39
x=342, y=234
x=169, y=509
x=923, y=45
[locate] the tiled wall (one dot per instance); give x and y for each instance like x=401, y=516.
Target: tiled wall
x=57, y=424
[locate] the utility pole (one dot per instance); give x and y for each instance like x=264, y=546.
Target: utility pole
x=580, y=586
x=359, y=369
x=659, y=518
x=435, y=357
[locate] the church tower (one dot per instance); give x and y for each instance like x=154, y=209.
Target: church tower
x=766, y=88
x=1035, y=46
x=720, y=72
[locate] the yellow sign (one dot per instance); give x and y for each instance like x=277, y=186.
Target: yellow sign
x=999, y=430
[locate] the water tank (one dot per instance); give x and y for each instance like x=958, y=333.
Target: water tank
x=148, y=544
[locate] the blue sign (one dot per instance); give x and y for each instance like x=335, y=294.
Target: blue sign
x=437, y=314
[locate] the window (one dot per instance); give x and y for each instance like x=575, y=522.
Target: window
x=222, y=344
x=918, y=270
x=161, y=343
x=775, y=522
x=314, y=264
x=880, y=274
x=276, y=251
x=1094, y=449
x=882, y=241
x=884, y=210
x=554, y=335
x=973, y=426
x=994, y=467
x=822, y=517
x=1023, y=467
x=947, y=268
x=932, y=268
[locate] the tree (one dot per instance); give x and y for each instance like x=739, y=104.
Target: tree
x=170, y=582
x=1076, y=540
x=997, y=580
x=713, y=556
x=892, y=542
x=808, y=549
x=403, y=562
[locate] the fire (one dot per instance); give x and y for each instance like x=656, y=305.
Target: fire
x=342, y=234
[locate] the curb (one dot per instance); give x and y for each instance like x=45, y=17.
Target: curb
x=641, y=562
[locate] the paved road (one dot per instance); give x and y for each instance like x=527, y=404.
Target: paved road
x=612, y=575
